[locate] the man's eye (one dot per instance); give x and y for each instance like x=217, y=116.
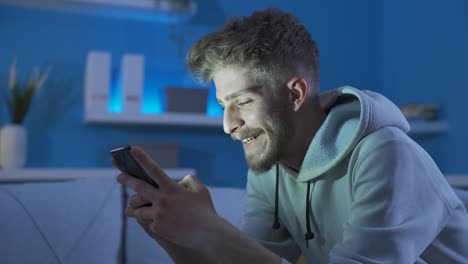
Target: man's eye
x=244, y=102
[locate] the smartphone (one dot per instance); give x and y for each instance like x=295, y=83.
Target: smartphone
x=129, y=165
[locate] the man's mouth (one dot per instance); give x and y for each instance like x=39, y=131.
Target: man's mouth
x=249, y=139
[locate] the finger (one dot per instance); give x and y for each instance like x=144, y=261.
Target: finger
x=131, y=212
x=139, y=186
x=192, y=183
x=144, y=222
x=142, y=213
x=138, y=201
x=120, y=175
x=152, y=168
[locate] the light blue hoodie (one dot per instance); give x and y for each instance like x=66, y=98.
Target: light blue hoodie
x=375, y=195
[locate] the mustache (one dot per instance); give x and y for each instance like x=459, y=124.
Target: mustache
x=246, y=133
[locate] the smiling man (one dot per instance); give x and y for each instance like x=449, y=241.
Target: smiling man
x=254, y=116
x=333, y=177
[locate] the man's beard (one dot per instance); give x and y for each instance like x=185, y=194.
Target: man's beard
x=277, y=131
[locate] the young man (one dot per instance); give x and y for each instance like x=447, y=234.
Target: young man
x=333, y=178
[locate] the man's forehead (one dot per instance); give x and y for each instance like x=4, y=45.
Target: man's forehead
x=254, y=89
x=231, y=80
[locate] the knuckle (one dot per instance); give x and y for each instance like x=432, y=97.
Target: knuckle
x=133, y=201
x=163, y=202
x=158, y=215
x=190, y=178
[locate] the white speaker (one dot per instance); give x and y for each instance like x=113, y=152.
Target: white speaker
x=97, y=82
x=132, y=83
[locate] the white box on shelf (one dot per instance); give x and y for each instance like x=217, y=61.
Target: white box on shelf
x=186, y=99
x=132, y=83
x=97, y=82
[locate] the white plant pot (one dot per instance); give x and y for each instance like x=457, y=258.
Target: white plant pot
x=13, y=146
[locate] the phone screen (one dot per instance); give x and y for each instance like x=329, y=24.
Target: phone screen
x=129, y=165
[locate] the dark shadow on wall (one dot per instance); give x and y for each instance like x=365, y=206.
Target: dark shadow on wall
x=201, y=161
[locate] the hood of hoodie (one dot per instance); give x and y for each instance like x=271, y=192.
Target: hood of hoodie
x=352, y=114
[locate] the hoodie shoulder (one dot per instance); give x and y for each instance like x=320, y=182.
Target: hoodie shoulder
x=352, y=115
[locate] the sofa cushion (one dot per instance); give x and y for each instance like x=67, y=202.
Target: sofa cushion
x=61, y=222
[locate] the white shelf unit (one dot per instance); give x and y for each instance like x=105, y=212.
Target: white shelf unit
x=188, y=119
x=458, y=180
x=63, y=174
x=419, y=127
x=144, y=10
x=182, y=119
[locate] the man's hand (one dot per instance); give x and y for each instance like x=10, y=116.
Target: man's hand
x=178, y=253
x=180, y=213
x=181, y=217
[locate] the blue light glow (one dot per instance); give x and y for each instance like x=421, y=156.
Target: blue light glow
x=115, y=93
x=213, y=108
x=152, y=97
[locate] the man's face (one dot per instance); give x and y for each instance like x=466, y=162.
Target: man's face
x=253, y=115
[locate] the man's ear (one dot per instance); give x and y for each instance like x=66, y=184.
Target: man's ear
x=298, y=90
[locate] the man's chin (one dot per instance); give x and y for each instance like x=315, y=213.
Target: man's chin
x=260, y=167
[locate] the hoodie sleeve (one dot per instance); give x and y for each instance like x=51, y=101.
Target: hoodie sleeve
x=258, y=219
x=397, y=211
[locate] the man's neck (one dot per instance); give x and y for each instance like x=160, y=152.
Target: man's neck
x=306, y=126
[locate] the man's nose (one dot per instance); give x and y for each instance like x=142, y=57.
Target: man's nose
x=231, y=120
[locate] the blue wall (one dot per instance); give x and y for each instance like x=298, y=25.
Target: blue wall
x=425, y=59
x=356, y=48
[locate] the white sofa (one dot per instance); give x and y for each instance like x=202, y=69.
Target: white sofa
x=82, y=221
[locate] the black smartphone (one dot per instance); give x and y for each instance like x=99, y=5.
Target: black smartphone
x=129, y=165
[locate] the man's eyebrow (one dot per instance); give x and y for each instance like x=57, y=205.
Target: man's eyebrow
x=252, y=89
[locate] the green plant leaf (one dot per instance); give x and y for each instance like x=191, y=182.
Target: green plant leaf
x=20, y=97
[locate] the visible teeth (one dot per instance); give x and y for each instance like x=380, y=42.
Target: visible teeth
x=248, y=140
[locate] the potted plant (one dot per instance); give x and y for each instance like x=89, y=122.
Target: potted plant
x=19, y=97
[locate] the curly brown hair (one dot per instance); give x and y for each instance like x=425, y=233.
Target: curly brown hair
x=272, y=45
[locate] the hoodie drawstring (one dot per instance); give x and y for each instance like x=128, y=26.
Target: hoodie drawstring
x=309, y=235
x=276, y=223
